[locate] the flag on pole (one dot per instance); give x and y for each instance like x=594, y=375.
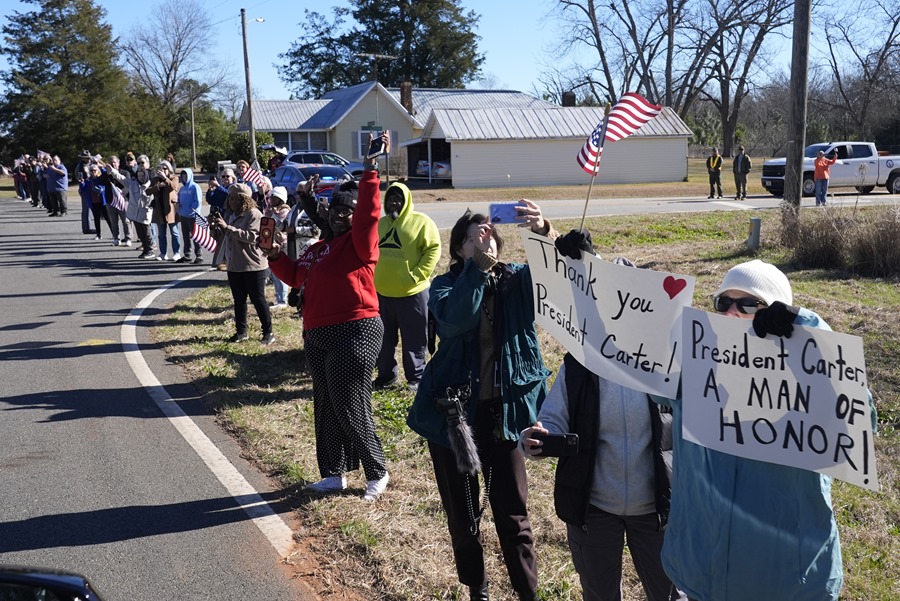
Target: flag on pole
x=252, y=175
x=200, y=234
x=625, y=118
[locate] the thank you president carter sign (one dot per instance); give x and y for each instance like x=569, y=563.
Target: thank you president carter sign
x=800, y=401
x=621, y=322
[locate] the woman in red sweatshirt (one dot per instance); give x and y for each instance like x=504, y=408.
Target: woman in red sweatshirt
x=342, y=332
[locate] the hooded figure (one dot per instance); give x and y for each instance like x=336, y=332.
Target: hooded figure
x=190, y=200
x=410, y=246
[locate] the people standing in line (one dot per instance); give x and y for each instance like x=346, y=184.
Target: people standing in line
x=342, y=333
x=34, y=181
x=741, y=168
x=115, y=183
x=714, y=168
x=768, y=529
x=140, y=204
x=58, y=187
x=487, y=369
x=821, y=176
x=20, y=178
x=409, y=249
x=247, y=264
x=190, y=201
x=44, y=163
x=164, y=187
x=97, y=187
x=82, y=172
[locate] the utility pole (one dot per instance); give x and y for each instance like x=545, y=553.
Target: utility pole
x=193, y=133
x=249, y=94
x=793, y=175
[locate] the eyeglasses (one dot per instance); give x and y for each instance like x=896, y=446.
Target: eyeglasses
x=746, y=305
x=340, y=210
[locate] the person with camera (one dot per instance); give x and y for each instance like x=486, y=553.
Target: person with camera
x=115, y=183
x=482, y=387
x=342, y=332
x=139, y=208
x=613, y=477
x=164, y=188
x=82, y=171
x=247, y=264
x=97, y=188
x=58, y=187
x=821, y=176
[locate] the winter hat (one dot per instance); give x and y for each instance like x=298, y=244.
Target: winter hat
x=760, y=280
x=279, y=192
x=85, y=154
x=345, y=196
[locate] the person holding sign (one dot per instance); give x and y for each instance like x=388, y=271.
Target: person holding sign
x=742, y=529
x=484, y=385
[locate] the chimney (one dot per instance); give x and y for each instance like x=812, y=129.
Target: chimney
x=568, y=98
x=406, y=96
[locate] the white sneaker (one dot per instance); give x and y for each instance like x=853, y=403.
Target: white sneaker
x=127, y=242
x=279, y=305
x=176, y=256
x=329, y=484
x=160, y=257
x=116, y=242
x=374, y=488
x=97, y=238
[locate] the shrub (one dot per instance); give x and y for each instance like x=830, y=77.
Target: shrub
x=874, y=250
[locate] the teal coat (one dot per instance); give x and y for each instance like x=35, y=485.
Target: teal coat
x=455, y=301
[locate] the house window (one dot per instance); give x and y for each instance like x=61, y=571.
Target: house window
x=318, y=140
x=299, y=141
x=281, y=139
x=362, y=143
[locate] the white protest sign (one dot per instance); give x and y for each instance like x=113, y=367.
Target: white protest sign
x=622, y=323
x=800, y=401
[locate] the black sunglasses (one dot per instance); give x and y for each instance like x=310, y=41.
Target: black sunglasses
x=746, y=305
x=340, y=210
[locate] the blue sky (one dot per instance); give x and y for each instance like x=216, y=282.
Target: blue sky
x=515, y=35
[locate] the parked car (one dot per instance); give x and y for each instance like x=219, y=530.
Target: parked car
x=18, y=582
x=306, y=157
x=290, y=176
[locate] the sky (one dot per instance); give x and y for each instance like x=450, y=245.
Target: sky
x=515, y=36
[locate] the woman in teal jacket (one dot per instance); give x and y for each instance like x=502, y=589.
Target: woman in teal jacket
x=488, y=368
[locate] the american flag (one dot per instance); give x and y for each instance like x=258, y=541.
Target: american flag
x=200, y=233
x=625, y=118
x=252, y=175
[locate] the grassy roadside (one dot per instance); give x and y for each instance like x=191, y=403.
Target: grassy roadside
x=397, y=549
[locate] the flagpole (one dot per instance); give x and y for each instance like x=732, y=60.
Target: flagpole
x=596, y=165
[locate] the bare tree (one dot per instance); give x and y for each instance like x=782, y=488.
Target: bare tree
x=170, y=47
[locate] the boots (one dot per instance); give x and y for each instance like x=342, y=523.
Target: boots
x=479, y=593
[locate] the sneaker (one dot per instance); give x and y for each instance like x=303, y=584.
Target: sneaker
x=97, y=238
x=127, y=242
x=183, y=260
x=146, y=255
x=176, y=257
x=116, y=242
x=160, y=257
x=239, y=337
x=268, y=339
x=197, y=261
x=374, y=488
x=413, y=386
x=710, y=196
x=278, y=305
x=720, y=196
x=329, y=484
x=384, y=382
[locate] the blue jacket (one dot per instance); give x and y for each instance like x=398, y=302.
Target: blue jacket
x=746, y=530
x=190, y=196
x=455, y=301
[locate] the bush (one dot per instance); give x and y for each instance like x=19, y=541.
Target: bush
x=874, y=250
x=821, y=241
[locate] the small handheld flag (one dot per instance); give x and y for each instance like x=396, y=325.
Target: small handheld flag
x=200, y=234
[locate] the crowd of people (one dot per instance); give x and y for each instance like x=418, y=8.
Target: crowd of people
x=700, y=525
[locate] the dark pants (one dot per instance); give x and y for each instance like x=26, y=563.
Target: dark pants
x=597, y=555
x=508, y=499
x=340, y=359
x=187, y=228
x=715, y=182
x=87, y=211
x=252, y=284
x=35, y=190
x=99, y=211
x=740, y=183
x=142, y=230
x=58, y=202
x=407, y=315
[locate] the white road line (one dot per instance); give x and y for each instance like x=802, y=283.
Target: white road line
x=734, y=205
x=269, y=523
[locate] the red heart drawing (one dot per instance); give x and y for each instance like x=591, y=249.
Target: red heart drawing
x=673, y=286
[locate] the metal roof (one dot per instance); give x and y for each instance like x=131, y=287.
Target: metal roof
x=283, y=115
x=538, y=123
x=426, y=100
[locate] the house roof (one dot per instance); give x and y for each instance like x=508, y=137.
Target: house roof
x=536, y=124
x=327, y=112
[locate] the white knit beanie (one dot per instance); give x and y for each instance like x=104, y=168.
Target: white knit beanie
x=760, y=280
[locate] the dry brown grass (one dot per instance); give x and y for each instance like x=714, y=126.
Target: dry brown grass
x=398, y=548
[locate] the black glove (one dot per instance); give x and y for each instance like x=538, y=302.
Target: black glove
x=572, y=244
x=777, y=319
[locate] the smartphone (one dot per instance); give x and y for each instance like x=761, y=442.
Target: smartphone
x=557, y=445
x=504, y=212
x=266, y=233
x=376, y=147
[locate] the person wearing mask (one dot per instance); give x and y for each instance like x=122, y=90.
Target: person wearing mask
x=483, y=386
x=247, y=264
x=342, y=333
x=164, y=188
x=190, y=201
x=58, y=187
x=741, y=168
x=409, y=246
x=767, y=530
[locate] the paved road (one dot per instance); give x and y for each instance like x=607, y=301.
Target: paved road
x=94, y=477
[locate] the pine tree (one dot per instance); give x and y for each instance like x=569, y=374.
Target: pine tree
x=434, y=43
x=64, y=89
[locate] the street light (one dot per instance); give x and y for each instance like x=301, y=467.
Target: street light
x=247, y=78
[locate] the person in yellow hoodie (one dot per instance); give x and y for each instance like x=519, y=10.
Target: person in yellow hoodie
x=410, y=246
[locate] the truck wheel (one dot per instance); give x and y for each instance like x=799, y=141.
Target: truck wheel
x=809, y=185
x=864, y=189
x=893, y=184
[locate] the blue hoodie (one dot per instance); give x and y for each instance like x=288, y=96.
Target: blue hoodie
x=190, y=196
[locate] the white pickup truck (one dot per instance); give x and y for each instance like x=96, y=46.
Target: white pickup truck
x=858, y=166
